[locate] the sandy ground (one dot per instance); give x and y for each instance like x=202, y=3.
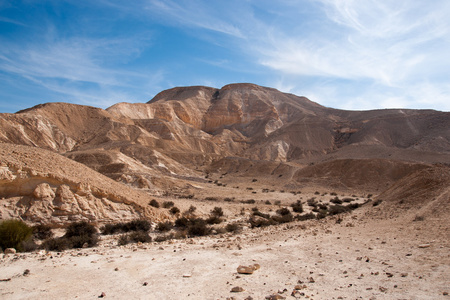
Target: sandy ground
x=360, y=258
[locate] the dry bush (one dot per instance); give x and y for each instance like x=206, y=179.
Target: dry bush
x=42, y=232
x=154, y=203
x=164, y=226
x=297, y=206
x=168, y=204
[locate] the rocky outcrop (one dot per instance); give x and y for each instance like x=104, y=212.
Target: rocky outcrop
x=41, y=186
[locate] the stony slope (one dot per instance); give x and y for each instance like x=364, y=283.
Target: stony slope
x=42, y=186
x=245, y=130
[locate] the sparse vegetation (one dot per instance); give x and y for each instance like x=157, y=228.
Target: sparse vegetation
x=42, y=232
x=297, y=206
x=168, y=204
x=13, y=233
x=154, y=203
x=164, y=226
x=174, y=210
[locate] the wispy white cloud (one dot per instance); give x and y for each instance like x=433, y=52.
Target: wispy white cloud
x=193, y=13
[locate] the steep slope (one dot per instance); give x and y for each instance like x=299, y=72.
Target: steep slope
x=42, y=186
x=183, y=131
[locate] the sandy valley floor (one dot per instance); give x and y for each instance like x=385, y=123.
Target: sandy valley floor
x=359, y=258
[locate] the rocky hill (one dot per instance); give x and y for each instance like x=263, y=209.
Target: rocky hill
x=241, y=130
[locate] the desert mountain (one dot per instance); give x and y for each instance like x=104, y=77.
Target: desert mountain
x=240, y=131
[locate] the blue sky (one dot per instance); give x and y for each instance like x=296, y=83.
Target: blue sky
x=348, y=54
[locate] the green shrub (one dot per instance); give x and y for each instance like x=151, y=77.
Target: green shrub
x=13, y=233
x=42, y=232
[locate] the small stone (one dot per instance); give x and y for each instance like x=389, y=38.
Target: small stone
x=382, y=289
x=275, y=297
x=102, y=295
x=404, y=274
x=445, y=293
x=424, y=245
x=245, y=270
x=187, y=275
x=249, y=298
x=116, y=269
x=26, y=272
x=311, y=280
x=145, y=283
x=10, y=251
x=237, y=289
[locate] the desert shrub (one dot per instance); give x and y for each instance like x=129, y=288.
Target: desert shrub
x=418, y=218
x=214, y=219
x=80, y=234
x=168, y=204
x=80, y=229
x=336, y=200
x=81, y=241
x=321, y=214
x=112, y=228
x=297, y=206
x=333, y=194
x=154, y=203
x=139, y=236
x=337, y=209
x=42, y=232
x=233, y=227
x=283, y=211
x=137, y=225
x=260, y=214
x=369, y=196
x=316, y=193
x=377, y=202
x=352, y=206
x=164, y=226
x=312, y=202
x=348, y=200
x=250, y=201
x=228, y=199
x=57, y=244
x=163, y=237
x=261, y=222
x=174, y=210
x=217, y=211
x=255, y=208
x=277, y=202
x=13, y=233
x=211, y=198
x=29, y=245
x=305, y=217
x=192, y=209
x=123, y=240
x=323, y=206
x=286, y=218
x=198, y=227
x=267, y=202
x=182, y=222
